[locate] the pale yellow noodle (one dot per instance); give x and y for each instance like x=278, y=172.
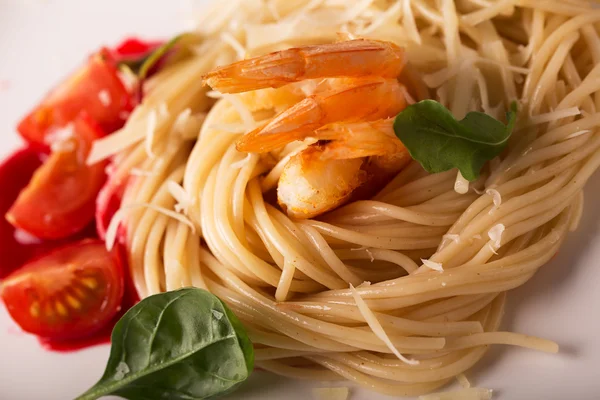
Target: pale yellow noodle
x=288, y=280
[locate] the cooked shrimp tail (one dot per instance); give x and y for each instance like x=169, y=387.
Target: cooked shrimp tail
x=354, y=58
x=385, y=99
x=360, y=139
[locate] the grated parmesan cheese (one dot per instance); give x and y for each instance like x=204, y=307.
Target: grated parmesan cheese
x=184, y=200
x=235, y=45
x=150, y=129
x=464, y=394
x=496, y=198
x=463, y=381
x=408, y=21
x=461, y=185
x=140, y=172
x=243, y=111
x=213, y=94
x=376, y=327
x=578, y=133
x=163, y=110
x=432, y=265
x=112, y=230
x=181, y=120
x=495, y=235
x=59, y=135
x=449, y=237
x=393, y=12
x=338, y=393
x=104, y=97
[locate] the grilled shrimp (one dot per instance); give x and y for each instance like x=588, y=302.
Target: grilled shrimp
x=358, y=160
x=361, y=99
x=354, y=58
x=355, y=93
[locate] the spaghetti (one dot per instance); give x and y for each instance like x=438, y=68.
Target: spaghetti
x=438, y=260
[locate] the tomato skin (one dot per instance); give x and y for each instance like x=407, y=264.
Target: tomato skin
x=134, y=48
x=60, y=198
x=81, y=92
x=69, y=293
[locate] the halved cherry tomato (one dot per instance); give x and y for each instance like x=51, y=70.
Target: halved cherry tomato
x=69, y=293
x=133, y=49
x=95, y=88
x=60, y=199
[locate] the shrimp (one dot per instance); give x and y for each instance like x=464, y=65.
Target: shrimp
x=365, y=99
x=353, y=93
x=359, y=160
x=358, y=58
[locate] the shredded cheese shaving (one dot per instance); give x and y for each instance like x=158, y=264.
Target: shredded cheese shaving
x=243, y=111
x=464, y=394
x=495, y=235
x=150, y=129
x=235, y=45
x=393, y=12
x=463, y=381
x=119, y=217
x=449, y=237
x=338, y=393
x=376, y=327
x=181, y=120
x=461, y=185
x=104, y=97
x=184, y=200
x=578, y=133
x=496, y=198
x=140, y=172
x=432, y=265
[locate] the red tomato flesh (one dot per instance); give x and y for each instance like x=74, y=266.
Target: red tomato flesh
x=60, y=199
x=71, y=292
x=95, y=88
x=134, y=48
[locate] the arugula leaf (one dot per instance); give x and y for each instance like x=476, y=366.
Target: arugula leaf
x=439, y=142
x=184, y=344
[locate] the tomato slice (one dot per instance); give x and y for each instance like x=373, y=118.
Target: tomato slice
x=95, y=88
x=133, y=49
x=60, y=199
x=69, y=293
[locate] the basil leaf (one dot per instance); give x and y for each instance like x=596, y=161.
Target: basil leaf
x=439, y=142
x=184, y=344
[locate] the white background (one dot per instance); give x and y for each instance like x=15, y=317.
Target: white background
x=41, y=41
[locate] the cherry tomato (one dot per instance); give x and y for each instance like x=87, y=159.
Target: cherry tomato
x=134, y=49
x=95, y=88
x=60, y=199
x=69, y=293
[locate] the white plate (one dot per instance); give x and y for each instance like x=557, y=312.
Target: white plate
x=42, y=40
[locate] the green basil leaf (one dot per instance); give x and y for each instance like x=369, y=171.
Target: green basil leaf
x=439, y=142
x=178, y=345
